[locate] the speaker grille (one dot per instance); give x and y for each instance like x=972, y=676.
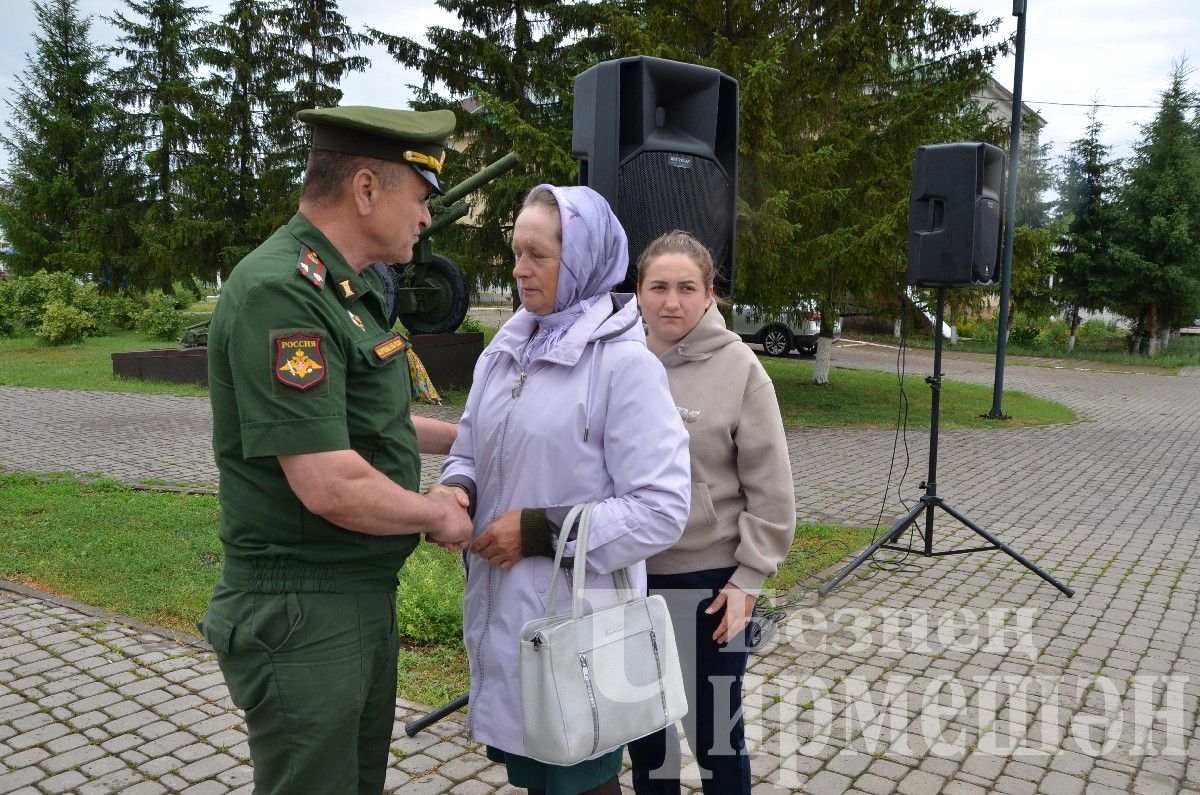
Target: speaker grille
x=661, y=191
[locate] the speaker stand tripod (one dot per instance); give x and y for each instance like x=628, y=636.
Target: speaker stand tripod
x=931, y=500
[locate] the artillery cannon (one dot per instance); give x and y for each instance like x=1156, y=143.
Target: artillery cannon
x=430, y=291
x=429, y=294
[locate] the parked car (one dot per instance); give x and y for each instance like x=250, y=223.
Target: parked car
x=797, y=329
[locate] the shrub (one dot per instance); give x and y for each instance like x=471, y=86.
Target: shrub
x=8, y=308
x=986, y=332
x=185, y=293
x=967, y=328
x=470, y=326
x=90, y=300
x=1055, y=335
x=1024, y=335
x=1100, y=335
x=161, y=318
x=32, y=294
x=429, y=598
x=65, y=325
x=121, y=311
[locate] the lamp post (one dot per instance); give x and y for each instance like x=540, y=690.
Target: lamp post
x=1010, y=211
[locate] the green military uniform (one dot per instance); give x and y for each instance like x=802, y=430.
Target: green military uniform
x=301, y=360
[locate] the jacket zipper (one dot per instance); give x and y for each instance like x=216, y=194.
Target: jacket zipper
x=587, y=684
x=487, y=622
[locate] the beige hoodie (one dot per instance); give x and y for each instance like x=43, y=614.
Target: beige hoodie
x=743, y=500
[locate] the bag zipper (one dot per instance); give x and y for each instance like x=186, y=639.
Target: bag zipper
x=662, y=696
x=587, y=684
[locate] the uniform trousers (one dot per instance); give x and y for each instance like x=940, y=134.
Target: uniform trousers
x=712, y=676
x=315, y=674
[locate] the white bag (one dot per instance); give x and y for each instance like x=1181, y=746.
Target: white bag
x=591, y=682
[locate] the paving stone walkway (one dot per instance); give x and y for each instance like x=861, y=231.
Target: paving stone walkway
x=959, y=674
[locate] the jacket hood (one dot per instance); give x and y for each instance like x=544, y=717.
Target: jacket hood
x=610, y=317
x=708, y=337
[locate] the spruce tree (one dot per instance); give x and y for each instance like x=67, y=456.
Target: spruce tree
x=835, y=99
x=57, y=147
x=321, y=49
x=1035, y=234
x=250, y=62
x=1160, y=224
x=509, y=76
x=165, y=109
x=1083, y=260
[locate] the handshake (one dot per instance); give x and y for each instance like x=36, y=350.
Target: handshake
x=452, y=527
x=500, y=542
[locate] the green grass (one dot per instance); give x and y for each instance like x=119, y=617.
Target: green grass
x=816, y=548
x=203, y=309
x=151, y=556
x=155, y=556
x=869, y=399
x=1184, y=352
x=28, y=361
x=854, y=398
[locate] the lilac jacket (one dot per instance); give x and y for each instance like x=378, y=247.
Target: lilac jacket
x=592, y=420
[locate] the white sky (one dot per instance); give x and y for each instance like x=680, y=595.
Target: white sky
x=1076, y=50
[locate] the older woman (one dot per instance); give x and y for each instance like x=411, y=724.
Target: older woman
x=568, y=406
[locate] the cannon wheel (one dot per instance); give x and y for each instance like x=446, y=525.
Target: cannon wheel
x=446, y=311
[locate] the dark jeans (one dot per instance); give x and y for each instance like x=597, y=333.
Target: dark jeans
x=712, y=675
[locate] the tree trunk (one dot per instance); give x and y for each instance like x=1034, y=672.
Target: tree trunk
x=821, y=368
x=1166, y=339
x=954, y=334
x=1152, y=332
x=895, y=328
x=1139, y=331
x=1074, y=328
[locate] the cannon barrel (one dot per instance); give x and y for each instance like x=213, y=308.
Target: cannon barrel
x=472, y=183
x=444, y=217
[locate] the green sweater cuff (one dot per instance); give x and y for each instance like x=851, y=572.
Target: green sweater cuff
x=537, y=533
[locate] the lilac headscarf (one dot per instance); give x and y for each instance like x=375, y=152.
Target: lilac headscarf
x=595, y=252
x=595, y=259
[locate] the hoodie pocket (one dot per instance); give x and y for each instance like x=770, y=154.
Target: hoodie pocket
x=703, y=514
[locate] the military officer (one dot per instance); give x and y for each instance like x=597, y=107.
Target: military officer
x=318, y=458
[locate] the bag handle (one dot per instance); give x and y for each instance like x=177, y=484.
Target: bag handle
x=572, y=517
x=581, y=517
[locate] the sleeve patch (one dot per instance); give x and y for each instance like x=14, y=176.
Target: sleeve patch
x=390, y=347
x=299, y=362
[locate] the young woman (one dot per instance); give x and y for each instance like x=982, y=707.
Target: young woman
x=743, y=511
x=557, y=416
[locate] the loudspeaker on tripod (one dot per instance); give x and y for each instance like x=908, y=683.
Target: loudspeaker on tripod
x=658, y=139
x=954, y=215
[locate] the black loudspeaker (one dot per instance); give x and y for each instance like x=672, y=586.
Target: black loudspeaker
x=954, y=215
x=658, y=139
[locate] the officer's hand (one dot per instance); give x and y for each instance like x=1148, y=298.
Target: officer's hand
x=459, y=494
x=453, y=531
x=500, y=542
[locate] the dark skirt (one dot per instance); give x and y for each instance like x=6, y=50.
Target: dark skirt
x=555, y=780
